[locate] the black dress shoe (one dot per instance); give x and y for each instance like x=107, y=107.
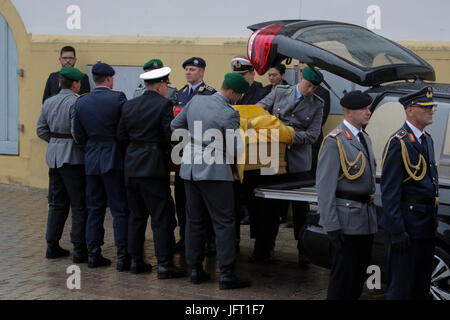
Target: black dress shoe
x=170, y=271
x=231, y=281
x=55, y=251
x=123, y=259
x=95, y=258
x=139, y=266
x=199, y=275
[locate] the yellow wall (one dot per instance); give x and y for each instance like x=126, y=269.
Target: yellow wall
x=38, y=56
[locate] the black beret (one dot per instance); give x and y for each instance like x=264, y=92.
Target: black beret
x=103, y=69
x=355, y=100
x=194, y=61
x=423, y=97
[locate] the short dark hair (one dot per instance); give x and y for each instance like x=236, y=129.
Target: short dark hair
x=280, y=67
x=68, y=49
x=98, y=78
x=225, y=86
x=66, y=83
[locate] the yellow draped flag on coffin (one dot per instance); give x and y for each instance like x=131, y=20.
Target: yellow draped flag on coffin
x=255, y=117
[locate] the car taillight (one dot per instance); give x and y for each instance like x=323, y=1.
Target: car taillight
x=259, y=47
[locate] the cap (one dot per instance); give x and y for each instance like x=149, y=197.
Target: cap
x=423, y=97
x=240, y=64
x=236, y=82
x=194, y=61
x=153, y=64
x=103, y=69
x=312, y=75
x=71, y=73
x=355, y=100
x=156, y=75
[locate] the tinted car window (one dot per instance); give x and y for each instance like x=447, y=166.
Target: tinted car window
x=345, y=42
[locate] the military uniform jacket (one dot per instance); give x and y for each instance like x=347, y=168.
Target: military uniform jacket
x=254, y=94
x=172, y=93
x=55, y=118
x=145, y=129
x=214, y=112
x=352, y=217
x=417, y=219
x=98, y=114
x=52, y=87
x=305, y=117
x=184, y=97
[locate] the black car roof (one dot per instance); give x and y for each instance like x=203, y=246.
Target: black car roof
x=439, y=89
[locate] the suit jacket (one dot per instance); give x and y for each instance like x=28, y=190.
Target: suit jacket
x=418, y=220
x=56, y=118
x=352, y=217
x=209, y=112
x=98, y=114
x=52, y=87
x=254, y=94
x=144, y=128
x=325, y=95
x=306, y=119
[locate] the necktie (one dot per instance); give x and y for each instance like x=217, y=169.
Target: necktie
x=424, y=145
x=190, y=93
x=363, y=142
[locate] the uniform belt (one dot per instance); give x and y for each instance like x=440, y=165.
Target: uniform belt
x=364, y=198
x=433, y=201
x=102, y=138
x=60, y=135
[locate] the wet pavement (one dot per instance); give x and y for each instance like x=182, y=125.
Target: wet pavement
x=25, y=274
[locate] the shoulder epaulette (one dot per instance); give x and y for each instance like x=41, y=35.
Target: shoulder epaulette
x=172, y=87
x=205, y=89
x=184, y=88
x=118, y=91
x=82, y=95
x=335, y=133
x=283, y=86
x=427, y=133
x=400, y=134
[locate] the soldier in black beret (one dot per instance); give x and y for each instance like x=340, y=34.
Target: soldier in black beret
x=345, y=181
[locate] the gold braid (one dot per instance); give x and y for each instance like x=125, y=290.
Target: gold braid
x=346, y=165
x=409, y=165
x=407, y=161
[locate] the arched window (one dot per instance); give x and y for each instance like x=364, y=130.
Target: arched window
x=9, y=91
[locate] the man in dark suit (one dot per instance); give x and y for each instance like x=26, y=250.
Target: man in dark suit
x=410, y=196
x=145, y=129
x=96, y=117
x=67, y=58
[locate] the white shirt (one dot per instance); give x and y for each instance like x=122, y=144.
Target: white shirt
x=416, y=132
x=353, y=129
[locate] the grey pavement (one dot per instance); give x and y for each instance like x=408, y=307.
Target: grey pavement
x=25, y=273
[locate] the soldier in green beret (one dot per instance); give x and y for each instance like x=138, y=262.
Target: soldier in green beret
x=209, y=184
x=65, y=160
x=172, y=93
x=296, y=106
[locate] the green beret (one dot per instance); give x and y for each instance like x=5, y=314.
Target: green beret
x=71, y=73
x=313, y=76
x=153, y=64
x=237, y=82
